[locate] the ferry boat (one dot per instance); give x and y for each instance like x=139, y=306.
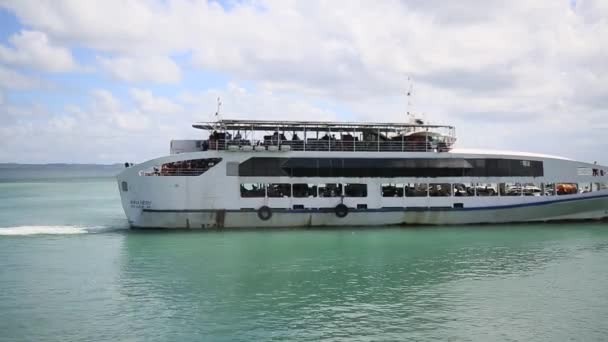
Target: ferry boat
x=254, y=173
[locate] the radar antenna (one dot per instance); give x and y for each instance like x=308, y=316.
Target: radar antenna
x=409, y=97
x=219, y=107
x=218, y=116
x=412, y=119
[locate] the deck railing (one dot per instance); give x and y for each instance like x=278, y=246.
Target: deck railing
x=327, y=145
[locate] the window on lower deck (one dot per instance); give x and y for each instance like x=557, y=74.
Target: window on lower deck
x=486, y=189
x=355, y=190
x=392, y=190
x=464, y=190
x=253, y=190
x=330, y=190
x=303, y=190
x=585, y=187
x=532, y=189
x=416, y=190
x=279, y=190
x=440, y=190
x=600, y=186
x=510, y=189
x=566, y=189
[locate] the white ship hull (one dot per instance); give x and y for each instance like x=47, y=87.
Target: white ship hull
x=212, y=200
x=584, y=209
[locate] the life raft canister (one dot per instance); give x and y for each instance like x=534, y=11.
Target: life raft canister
x=264, y=213
x=341, y=210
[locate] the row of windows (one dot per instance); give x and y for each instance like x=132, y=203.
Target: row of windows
x=304, y=190
x=488, y=189
x=389, y=167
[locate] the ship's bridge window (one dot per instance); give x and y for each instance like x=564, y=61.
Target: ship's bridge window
x=279, y=190
x=253, y=190
x=355, y=190
x=392, y=190
x=440, y=190
x=330, y=190
x=303, y=190
x=416, y=190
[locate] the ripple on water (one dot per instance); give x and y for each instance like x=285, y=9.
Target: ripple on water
x=52, y=230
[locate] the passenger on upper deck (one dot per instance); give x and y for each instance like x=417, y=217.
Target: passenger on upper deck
x=348, y=137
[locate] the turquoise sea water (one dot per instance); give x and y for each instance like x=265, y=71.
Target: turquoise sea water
x=71, y=271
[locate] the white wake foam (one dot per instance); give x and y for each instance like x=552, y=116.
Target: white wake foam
x=48, y=230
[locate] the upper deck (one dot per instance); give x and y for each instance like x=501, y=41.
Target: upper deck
x=258, y=135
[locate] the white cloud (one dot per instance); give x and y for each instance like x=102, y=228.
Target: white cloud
x=33, y=49
x=339, y=49
x=147, y=102
x=10, y=79
x=156, y=69
x=494, y=68
x=106, y=107
x=106, y=129
x=240, y=103
x=103, y=100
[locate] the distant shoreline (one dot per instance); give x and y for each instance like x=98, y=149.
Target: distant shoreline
x=58, y=164
x=28, y=172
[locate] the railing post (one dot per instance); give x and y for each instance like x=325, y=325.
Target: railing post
x=304, y=138
x=329, y=140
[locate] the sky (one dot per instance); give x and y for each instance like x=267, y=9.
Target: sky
x=116, y=80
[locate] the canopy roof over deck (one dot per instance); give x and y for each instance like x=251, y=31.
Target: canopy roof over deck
x=322, y=126
x=327, y=136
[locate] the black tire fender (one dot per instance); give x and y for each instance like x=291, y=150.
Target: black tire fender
x=264, y=213
x=341, y=210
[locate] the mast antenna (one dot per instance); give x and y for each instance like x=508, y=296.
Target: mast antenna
x=218, y=117
x=409, y=96
x=219, y=107
x=412, y=119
